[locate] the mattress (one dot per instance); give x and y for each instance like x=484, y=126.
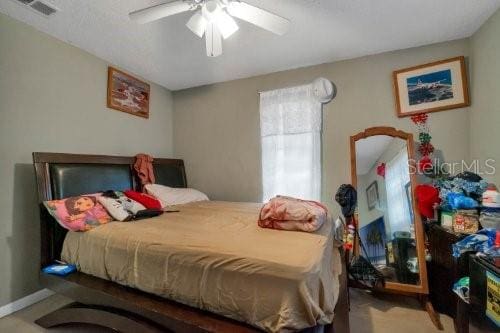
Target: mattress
x=213, y=256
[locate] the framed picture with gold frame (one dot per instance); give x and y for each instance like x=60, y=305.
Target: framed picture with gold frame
x=372, y=197
x=432, y=87
x=127, y=93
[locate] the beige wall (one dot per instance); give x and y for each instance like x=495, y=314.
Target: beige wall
x=485, y=115
x=217, y=126
x=53, y=98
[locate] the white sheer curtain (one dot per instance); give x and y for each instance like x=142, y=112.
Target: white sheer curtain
x=290, y=122
x=396, y=177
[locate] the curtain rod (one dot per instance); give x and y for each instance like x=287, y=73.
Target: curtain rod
x=289, y=87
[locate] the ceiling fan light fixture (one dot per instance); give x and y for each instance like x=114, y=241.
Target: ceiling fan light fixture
x=226, y=24
x=214, y=19
x=210, y=10
x=197, y=24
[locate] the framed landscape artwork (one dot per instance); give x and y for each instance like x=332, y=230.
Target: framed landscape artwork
x=128, y=94
x=437, y=86
x=374, y=239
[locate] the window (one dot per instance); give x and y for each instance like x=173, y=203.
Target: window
x=397, y=178
x=290, y=122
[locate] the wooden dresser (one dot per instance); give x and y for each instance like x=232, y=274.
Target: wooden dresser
x=444, y=270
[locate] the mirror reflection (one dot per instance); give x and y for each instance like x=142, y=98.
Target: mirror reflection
x=385, y=211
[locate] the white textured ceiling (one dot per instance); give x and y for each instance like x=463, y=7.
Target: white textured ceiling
x=166, y=52
x=369, y=150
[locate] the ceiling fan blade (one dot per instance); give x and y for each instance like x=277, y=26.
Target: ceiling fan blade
x=157, y=12
x=197, y=24
x=214, y=40
x=259, y=17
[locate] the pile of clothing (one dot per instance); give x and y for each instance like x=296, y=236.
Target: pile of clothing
x=490, y=217
x=490, y=212
x=464, y=191
x=469, y=199
x=130, y=205
x=481, y=241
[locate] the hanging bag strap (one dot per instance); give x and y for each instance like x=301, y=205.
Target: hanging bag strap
x=362, y=270
x=351, y=220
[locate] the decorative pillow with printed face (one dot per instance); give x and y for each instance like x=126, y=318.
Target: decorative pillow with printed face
x=80, y=213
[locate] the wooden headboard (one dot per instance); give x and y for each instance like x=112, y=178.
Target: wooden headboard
x=63, y=175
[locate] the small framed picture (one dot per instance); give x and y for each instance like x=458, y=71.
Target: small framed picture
x=127, y=93
x=408, y=199
x=432, y=87
x=390, y=253
x=372, y=195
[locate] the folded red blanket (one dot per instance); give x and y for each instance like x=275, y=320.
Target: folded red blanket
x=287, y=213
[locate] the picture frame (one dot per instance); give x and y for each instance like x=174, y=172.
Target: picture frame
x=372, y=197
x=127, y=93
x=373, y=237
x=409, y=199
x=432, y=87
x=390, y=253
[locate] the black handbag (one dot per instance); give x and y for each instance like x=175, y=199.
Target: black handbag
x=362, y=271
x=146, y=214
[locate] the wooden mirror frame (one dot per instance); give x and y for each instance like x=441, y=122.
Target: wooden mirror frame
x=422, y=287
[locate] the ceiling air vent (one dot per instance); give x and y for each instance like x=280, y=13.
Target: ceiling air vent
x=43, y=8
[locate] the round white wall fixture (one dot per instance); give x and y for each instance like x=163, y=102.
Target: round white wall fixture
x=324, y=90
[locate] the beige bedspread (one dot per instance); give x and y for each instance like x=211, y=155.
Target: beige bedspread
x=212, y=255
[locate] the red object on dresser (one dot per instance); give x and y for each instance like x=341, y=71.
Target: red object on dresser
x=427, y=197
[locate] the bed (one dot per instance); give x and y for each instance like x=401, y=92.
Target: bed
x=207, y=268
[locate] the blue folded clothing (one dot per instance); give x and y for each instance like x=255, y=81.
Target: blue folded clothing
x=480, y=242
x=460, y=201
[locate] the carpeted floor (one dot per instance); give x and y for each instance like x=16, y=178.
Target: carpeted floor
x=369, y=313
x=391, y=313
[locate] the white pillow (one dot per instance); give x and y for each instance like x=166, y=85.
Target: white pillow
x=169, y=196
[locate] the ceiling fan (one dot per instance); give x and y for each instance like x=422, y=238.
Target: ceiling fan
x=214, y=19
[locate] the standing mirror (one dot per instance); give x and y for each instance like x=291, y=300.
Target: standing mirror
x=389, y=225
